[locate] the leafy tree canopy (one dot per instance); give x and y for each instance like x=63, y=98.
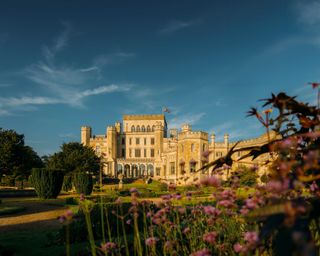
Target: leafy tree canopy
x=74, y=157
x=16, y=158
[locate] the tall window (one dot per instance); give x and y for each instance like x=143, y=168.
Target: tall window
x=204, y=147
x=130, y=152
x=152, y=141
x=158, y=171
x=193, y=166
x=153, y=127
x=132, y=128
x=172, y=168
x=137, y=141
x=143, y=129
x=123, y=153
x=137, y=153
x=148, y=128
x=130, y=141
x=123, y=141
x=152, y=152
x=145, y=152
x=138, y=128
x=145, y=141
x=182, y=171
x=192, y=147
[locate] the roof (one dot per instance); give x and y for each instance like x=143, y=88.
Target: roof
x=145, y=117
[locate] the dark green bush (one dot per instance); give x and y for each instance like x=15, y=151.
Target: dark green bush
x=47, y=183
x=71, y=201
x=83, y=183
x=67, y=183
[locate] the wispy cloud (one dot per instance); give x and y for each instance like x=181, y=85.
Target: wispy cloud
x=61, y=83
x=309, y=12
x=60, y=42
x=76, y=100
x=178, y=121
x=176, y=25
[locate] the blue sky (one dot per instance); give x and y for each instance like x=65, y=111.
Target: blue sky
x=64, y=64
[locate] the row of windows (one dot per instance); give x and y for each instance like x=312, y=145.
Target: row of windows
x=138, y=152
x=138, y=141
x=142, y=129
x=204, y=147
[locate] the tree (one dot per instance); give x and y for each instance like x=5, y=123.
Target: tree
x=16, y=159
x=74, y=157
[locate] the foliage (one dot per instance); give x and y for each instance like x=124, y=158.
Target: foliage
x=6, y=210
x=67, y=183
x=246, y=176
x=16, y=159
x=83, y=183
x=47, y=183
x=72, y=157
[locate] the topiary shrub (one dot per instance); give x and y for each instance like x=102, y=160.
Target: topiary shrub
x=67, y=183
x=83, y=183
x=47, y=183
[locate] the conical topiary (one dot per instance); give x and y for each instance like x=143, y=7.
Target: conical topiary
x=47, y=183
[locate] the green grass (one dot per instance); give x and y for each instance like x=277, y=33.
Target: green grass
x=33, y=243
x=4, y=210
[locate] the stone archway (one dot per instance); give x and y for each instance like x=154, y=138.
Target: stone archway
x=126, y=170
x=134, y=170
x=142, y=170
x=150, y=170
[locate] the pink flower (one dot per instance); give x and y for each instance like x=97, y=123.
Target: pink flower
x=213, y=181
x=237, y=247
x=226, y=203
x=151, y=241
x=128, y=222
x=67, y=216
x=186, y=230
x=251, y=237
x=210, y=210
x=82, y=197
x=314, y=186
x=203, y=252
x=108, y=246
x=210, y=237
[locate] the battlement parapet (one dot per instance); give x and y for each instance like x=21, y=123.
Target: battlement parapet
x=193, y=135
x=144, y=117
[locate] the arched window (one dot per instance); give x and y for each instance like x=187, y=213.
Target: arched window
x=192, y=147
x=153, y=127
x=143, y=129
x=138, y=128
x=204, y=147
x=132, y=128
x=148, y=128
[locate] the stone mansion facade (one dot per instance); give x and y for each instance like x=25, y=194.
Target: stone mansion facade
x=142, y=146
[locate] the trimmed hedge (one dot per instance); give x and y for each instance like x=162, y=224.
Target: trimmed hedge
x=83, y=183
x=47, y=183
x=67, y=183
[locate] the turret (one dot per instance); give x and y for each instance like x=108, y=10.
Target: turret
x=226, y=139
x=186, y=128
x=158, y=145
x=112, y=141
x=85, y=135
x=118, y=127
x=173, y=133
x=212, y=137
